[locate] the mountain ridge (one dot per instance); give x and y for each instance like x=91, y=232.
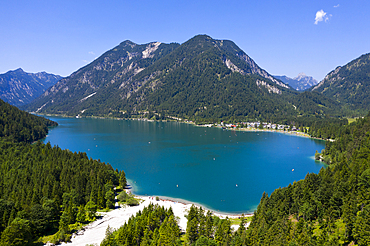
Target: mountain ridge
x=200, y=79
x=18, y=87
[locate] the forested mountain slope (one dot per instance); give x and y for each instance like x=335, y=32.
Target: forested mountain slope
x=20, y=126
x=44, y=189
x=349, y=84
x=19, y=88
x=202, y=79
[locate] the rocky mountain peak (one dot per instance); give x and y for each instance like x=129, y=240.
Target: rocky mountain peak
x=301, y=82
x=301, y=76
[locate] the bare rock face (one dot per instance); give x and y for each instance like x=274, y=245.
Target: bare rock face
x=270, y=88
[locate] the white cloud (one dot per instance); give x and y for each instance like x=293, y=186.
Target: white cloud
x=336, y=6
x=91, y=53
x=321, y=16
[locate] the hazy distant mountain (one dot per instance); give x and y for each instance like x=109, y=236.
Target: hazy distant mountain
x=349, y=84
x=18, y=87
x=202, y=78
x=301, y=83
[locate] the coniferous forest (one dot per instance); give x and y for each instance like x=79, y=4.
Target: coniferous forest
x=19, y=126
x=46, y=190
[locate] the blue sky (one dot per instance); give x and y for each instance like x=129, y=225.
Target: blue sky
x=283, y=37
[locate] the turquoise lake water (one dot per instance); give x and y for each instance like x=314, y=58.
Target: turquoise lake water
x=222, y=170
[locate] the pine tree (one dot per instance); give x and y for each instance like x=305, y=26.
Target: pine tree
x=122, y=179
x=109, y=197
x=192, y=230
x=81, y=215
x=100, y=199
x=18, y=233
x=209, y=225
x=64, y=222
x=91, y=209
x=109, y=239
x=362, y=227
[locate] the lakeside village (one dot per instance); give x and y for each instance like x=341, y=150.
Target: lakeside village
x=241, y=126
x=248, y=126
x=251, y=125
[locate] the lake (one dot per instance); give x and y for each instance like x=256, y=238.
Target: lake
x=222, y=170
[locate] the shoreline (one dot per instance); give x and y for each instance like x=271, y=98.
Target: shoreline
x=187, y=202
x=294, y=133
x=220, y=214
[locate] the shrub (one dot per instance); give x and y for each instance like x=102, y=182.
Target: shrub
x=131, y=201
x=122, y=197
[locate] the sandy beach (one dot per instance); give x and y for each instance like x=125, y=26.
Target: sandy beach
x=94, y=233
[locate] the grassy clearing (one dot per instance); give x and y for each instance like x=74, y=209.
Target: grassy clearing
x=350, y=120
x=45, y=239
x=236, y=221
x=104, y=210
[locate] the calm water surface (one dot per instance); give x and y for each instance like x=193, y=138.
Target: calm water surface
x=223, y=170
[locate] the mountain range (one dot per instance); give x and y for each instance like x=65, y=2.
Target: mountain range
x=301, y=83
x=202, y=79
x=18, y=87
